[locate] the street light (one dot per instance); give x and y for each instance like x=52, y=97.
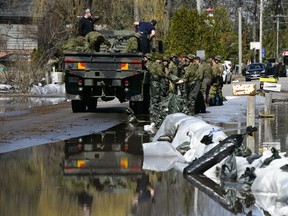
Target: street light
x=240, y=37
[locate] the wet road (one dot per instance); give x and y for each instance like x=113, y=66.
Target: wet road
x=101, y=174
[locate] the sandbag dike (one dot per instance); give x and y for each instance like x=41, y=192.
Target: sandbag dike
x=269, y=184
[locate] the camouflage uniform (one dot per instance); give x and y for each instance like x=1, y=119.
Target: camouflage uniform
x=173, y=74
x=158, y=90
x=215, y=93
x=91, y=43
x=131, y=45
x=200, y=106
x=206, y=84
x=193, y=84
x=173, y=68
x=95, y=39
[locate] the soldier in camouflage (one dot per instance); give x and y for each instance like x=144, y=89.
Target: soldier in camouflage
x=157, y=90
x=173, y=73
x=206, y=84
x=200, y=106
x=215, y=94
x=193, y=84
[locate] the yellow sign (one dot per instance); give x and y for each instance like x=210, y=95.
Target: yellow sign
x=268, y=79
x=244, y=89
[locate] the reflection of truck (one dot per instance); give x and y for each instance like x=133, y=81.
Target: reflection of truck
x=117, y=151
x=105, y=76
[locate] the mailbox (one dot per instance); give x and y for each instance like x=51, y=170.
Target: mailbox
x=244, y=89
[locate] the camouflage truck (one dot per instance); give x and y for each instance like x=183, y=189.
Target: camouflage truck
x=106, y=75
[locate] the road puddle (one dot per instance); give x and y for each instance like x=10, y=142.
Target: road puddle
x=101, y=174
x=17, y=105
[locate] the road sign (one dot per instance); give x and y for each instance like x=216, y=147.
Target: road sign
x=244, y=89
x=201, y=54
x=268, y=86
x=263, y=52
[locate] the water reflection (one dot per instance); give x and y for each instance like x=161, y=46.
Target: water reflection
x=101, y=174
x=19, y=105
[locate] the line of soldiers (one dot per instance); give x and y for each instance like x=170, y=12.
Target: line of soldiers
x=186, y=86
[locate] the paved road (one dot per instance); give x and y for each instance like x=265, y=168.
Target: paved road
x=227, y=88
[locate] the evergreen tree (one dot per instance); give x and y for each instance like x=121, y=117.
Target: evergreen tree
x=190, y=31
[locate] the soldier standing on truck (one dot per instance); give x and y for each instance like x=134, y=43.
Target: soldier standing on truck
x=145, y=31
x=85, y=24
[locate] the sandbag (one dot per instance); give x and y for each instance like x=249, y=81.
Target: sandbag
x=215, y=155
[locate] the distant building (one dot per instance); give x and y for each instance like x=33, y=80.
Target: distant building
x=15, y=26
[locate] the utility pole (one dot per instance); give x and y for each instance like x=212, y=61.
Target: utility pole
x=277, y=38
x=277, y=33
x=240, y=37
x=199, y=4
x=136, y=11
x=260, y=30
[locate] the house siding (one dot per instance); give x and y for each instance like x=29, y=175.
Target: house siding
x=15, y=37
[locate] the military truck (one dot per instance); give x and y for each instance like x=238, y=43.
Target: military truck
x=106, y=75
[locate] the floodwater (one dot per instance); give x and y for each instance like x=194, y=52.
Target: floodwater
x=18, y=105
x=101, y=174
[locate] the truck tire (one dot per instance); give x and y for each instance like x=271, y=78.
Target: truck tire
x=92, y=104
x=78, y=106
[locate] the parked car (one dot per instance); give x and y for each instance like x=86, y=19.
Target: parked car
x=227, y=74
x=255, y=71
x=229, y=65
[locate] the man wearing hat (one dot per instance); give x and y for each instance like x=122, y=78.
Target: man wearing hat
x=145, y=31
x=173, y=65
x=206, y=84
x=85, y=24
x=215, y=94
x=157, y=90
x=193, y=84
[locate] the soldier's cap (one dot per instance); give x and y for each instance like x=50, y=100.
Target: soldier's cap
x=87, y=10
x=218, y=58
x=158, y=56
x=173, y=56
x=197, y=58
x=209, y=60
x=165, y=59
x=148, y=55
x=190, y=56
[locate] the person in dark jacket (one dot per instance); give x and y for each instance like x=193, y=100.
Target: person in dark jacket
x=276, y=70
x=145, y=31
x=85, y=24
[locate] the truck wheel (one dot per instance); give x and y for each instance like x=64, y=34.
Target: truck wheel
x=78, y=106
x=92, y=104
